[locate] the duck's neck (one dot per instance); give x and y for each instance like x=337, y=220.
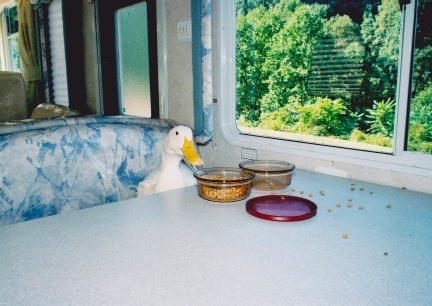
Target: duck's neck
x=170, y=175
x=170, y=161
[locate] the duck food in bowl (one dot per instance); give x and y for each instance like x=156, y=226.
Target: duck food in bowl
x=269, y=174
x=224, y=184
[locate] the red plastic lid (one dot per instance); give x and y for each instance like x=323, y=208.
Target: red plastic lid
x=278, y=207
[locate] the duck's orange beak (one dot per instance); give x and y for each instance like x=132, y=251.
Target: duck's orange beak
x=189, y=152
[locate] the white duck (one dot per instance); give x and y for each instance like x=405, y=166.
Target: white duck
x=172, y=173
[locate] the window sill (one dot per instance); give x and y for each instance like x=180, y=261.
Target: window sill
x=405, y=162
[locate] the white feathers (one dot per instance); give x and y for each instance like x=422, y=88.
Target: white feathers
x=173, y=173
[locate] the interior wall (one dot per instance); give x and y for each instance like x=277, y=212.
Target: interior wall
x=180, y=109
x=179, y=65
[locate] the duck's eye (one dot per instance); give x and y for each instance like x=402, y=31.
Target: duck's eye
x=176, y=133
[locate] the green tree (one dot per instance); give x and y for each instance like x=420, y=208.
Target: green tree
x=342, y=27
x=424, y=25
x=354, y=9
x=326, y=117
x=381, y=117
x=420, y=130
x=289, y=58
x=381, y=39
x=254, y=33
x=422, y=69
x=245, y=6
x=337, y=60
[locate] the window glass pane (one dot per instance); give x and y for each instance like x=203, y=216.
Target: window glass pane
x=60, y=87
x=12, y=54
x=315, y=71
x=15, y=58
x=420, y=128
x=133, y=60
x=12, y=20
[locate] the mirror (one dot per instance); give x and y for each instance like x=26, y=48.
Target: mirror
x=129, y=59
x=93, y=74
x=41, y=59
x=132, y=60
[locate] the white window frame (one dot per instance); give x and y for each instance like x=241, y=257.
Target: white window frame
x=400, y=160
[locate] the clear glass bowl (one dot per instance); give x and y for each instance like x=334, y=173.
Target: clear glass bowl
x=224, y=184
x=269, y=174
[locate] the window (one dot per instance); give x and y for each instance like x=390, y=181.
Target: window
x=420, y=117
x=11, y=18
x=133, y=68
x=57, y=53
x=328, y=82
x=129, y=76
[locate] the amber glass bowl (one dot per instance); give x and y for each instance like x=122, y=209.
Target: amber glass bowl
x=224, y=184
x=269, y=174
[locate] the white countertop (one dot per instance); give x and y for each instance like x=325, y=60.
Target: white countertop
x=175, y=248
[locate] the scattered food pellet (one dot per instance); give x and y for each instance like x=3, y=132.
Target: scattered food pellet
x=344, y=236
x=271, y=192
x=352, y=183
x=404, y=188
x=349, y=204
x=329, y=209
x=293, y=189
x=385, y=253
x=388, y=205
x=282, y=198
x=352, y=188
x=322, y=192
x=371, y=192
x=361, y=188
x=301, y=191
x=310, y=194
x=349, y=199
x=338, y=205
x=360, y=207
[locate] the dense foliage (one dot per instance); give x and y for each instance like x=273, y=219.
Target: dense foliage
x=329, y=68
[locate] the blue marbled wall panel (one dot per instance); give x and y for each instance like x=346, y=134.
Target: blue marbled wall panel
x=76, y=163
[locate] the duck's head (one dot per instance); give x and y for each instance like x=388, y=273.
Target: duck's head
x=179, y=141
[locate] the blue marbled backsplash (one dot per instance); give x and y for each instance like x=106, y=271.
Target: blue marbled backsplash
x=68, y=164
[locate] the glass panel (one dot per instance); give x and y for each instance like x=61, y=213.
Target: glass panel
x=13, y=49
x=420, y=128
x=12, y=20
x=321, y=72
x=12, y=54
x=133, y=60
